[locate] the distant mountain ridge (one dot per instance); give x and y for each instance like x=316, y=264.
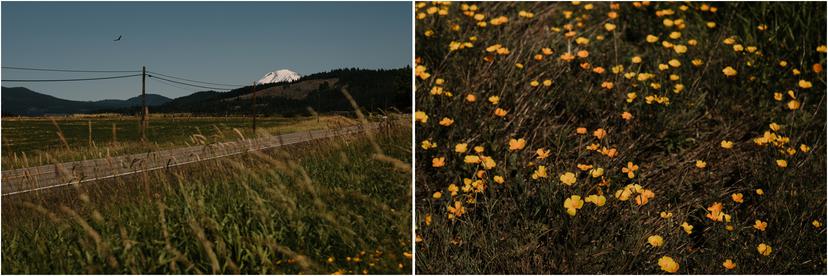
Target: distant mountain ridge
x=23, y=101
x=373, y=90
x=152, y=100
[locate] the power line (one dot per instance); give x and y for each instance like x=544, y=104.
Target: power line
x=84, y=79
x=116, y=71
x=204, y=82
x=174, y=85
x=188, y=84
x=70, y=70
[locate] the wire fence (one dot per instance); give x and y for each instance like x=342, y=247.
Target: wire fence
x=26, y=180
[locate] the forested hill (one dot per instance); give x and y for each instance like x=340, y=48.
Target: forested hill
x=373, y=90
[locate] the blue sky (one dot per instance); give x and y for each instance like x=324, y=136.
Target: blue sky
x=220, y=42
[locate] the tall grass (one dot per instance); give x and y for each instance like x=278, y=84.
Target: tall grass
x=327, y=206
x=38, y=141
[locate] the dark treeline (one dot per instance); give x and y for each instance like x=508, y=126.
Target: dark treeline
x=374, y=91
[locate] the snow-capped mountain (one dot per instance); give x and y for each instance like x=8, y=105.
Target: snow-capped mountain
x=279, y=76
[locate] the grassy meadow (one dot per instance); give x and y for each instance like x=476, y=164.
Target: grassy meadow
x=338, y=205
x=31, y=141
x=620, y=138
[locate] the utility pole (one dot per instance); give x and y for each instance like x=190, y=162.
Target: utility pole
x=144, y=104
x=254, y=108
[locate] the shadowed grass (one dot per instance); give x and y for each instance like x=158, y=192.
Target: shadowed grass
x=522, y=226
x=319, y=207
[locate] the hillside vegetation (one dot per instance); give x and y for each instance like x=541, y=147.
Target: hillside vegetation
x=375, y=90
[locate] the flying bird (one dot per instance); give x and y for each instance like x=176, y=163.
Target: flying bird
x=118, y=39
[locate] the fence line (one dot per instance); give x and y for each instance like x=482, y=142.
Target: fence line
x=46, y=177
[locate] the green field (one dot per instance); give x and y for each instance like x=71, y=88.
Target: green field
x=339, y=205
x=37, y=140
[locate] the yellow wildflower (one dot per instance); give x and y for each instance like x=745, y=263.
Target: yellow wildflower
x=456, y=211
x=643, y=197
x=680, y=49
x=421, y=116
x=471, y=159
x=516, y=144
x=572, y=204
x=687, y=228
x=764, y=249
x=542, y=153
x=494, y=99
x=461, y=148
x=568, y=178
x=540, y=172
x=609, y=27
x=598, y=200
x=597, y=172
x=729, y=264
x=655, y=240
x=727, y=144
x=804, y=84
x=453, y=189
x=715, y=213
x=668, y=264
x=630, y=169
x=488, y=162
x=793, y=105
x=729, y=71
x=500, y=112
x=599, y=133
x=438, y=162
x=737, y=197
x=760, y=225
